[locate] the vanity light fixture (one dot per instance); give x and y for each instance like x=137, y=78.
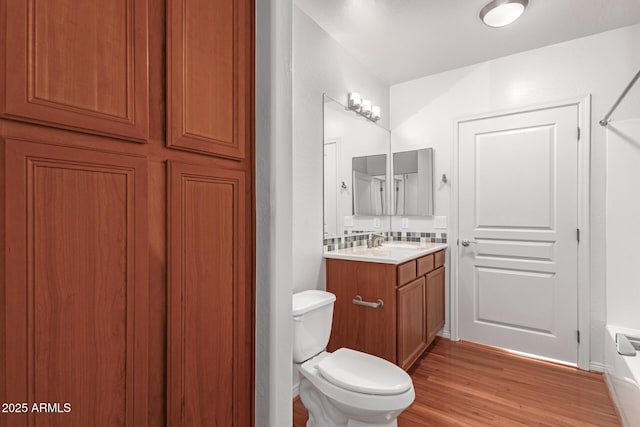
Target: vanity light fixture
x=363, y=107
x=499, y=13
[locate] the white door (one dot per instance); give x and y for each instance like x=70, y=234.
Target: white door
x=518, y=247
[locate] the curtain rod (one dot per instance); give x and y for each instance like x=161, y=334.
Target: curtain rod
x=605, y=120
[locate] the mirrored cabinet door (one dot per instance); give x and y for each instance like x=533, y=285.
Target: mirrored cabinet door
x=369, y=185
x=413, y=183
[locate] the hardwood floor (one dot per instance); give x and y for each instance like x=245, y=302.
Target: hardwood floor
x=466, y=384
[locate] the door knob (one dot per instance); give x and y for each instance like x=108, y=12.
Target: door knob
x=467, y=242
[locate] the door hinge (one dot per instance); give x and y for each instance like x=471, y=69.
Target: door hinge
x=578, y=336
x=578, y=234
x=578, y=133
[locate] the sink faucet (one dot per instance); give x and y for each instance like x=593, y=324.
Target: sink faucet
x=375, y=240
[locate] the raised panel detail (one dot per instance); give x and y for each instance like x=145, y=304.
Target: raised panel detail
x=412, y=324
x=528, y=177
x=425, y=264
x=515, y=299
x=438, y=258
x=76, y=276
x=210, y=69
x=407, y=272
x=516, y=249
x=435, y=303
x=353, y=324
x=79, y=64
x=208, y=334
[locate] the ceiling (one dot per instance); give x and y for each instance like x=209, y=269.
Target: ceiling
x=402, y=40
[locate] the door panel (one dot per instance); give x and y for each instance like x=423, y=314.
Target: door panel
x=516, y=298
x=208, y=76
x=366, y=329
x=79, y=65
x=529, y=166
x=435, y=303
x=412, y=324
x=209, y=338
x=76, y=276
x=518, y=210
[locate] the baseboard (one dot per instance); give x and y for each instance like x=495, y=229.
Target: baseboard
x=596, y=367
x=615, y=399
x=445, y=334
x=295, y=390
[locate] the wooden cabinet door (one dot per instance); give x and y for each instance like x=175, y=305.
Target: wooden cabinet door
x=210, y=366
x=412, y=333
x=77, y=64
x=210, y=76
x=435, y=303
x=371, y=330
x=74, y=289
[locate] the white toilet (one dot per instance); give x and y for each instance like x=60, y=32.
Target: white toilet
x=345, y=388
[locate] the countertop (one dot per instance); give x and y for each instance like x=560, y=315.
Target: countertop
x=388, y=253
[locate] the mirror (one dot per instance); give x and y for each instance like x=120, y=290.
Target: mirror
x=413, y=183
x=369, y=184
x=357, y=189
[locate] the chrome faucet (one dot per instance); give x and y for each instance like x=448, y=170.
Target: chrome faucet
x=375, y=240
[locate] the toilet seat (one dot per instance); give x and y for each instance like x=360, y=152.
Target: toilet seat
x=364, y=401
x=364, y=373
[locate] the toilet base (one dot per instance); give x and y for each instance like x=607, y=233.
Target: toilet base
x=325, y=412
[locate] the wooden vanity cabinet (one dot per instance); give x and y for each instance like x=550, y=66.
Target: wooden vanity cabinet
x=410, y=317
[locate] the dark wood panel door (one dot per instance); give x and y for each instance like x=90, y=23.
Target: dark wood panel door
x=435, y=303
x=371, y=330
x=209, y=300
x=75, y=288
x=412, y=324
x=78, y=64
x=209, y=76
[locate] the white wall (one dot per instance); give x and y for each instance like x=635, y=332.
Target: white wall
x=274, y=211
x=320, y=65
x=623, y=222
x=423, y=112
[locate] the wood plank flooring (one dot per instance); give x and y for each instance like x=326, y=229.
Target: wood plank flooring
x=466, y=384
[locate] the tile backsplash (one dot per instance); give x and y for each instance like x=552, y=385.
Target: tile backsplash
x=359, y=238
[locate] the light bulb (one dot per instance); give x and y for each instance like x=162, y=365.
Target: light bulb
x=366, y=107
x=375, y=113
x=355, y=101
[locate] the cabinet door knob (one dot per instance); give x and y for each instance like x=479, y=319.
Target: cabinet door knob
x=358, y=301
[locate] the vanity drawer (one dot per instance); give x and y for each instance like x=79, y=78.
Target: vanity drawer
x=439, y=259
x=406, y=272
x=425, y=264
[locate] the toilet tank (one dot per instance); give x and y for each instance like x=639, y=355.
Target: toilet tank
x=312, y=316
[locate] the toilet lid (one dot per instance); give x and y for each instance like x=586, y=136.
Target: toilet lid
x=364, y=373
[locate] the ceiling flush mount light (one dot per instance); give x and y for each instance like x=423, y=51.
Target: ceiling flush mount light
x=499, y=13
